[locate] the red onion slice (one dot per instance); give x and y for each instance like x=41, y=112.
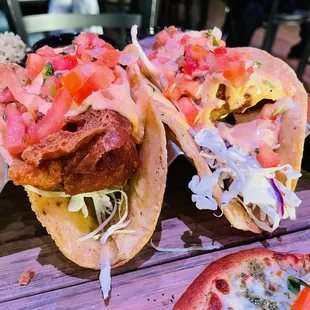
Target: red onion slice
x=279, y=196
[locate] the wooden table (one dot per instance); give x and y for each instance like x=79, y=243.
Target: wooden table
x=152, y=280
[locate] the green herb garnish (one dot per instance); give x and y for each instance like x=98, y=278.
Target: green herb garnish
x=215, y=42
x=258, y=64
x=53, y=89
x=279, y=109
x=48, y=70
x=173, y=86
x=256, y=150
x=210, y=35
x=293, y=284
x=269, y=85
x=153, y=88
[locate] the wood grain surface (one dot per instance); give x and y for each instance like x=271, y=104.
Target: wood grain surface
x=25, y=245
x=157, y=287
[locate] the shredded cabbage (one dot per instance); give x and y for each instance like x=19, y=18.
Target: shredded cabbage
x=216, y=246
x=107, y=203
x=150, y=67
x=245, y=181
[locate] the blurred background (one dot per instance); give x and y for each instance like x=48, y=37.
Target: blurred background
x=281, y=27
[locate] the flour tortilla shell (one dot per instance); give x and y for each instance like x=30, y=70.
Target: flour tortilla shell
x=145, y=195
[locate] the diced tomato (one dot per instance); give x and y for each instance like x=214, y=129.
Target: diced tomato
x=198, y=52
x=163, y=37
x=16, y=130
x=184, y=39
x=85, y=71
x=101, y=78
x=63, y=62
x=110, y=58
x=81, y=94
x=101, y=56
x=181, y=87
x=97, y=42
x=85, y=38
x=52, y=121
x=267, y=157
x=34, y=65
x=6, y=96
x=235, y=72
x=220, y=51
x=71, y=81
x=190, y=65
x=303, y=300
x=188, y=109
x=46, y=51
x=79, y=51
x=152, y=55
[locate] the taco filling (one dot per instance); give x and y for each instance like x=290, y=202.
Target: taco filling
x=71, y=131
x=236, y=103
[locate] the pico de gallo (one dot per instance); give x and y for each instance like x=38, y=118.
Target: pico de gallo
x=233, y=107
x=58, y=83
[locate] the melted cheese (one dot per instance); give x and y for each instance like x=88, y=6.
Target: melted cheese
x=261, y=288
x=261, y=85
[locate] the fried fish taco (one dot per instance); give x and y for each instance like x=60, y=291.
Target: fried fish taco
x=80, y=135
x=245, y=109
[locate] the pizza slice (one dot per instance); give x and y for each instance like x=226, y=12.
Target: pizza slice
x=251, y=279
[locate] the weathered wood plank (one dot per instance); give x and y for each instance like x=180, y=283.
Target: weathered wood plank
x=24, y=244
x=162, y=285
x=54, y=271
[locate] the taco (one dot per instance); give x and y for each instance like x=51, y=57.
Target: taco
x=79, y=134
x=245, y=109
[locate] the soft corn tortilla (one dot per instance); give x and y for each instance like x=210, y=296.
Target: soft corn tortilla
x=291, y=136
x=145, y=195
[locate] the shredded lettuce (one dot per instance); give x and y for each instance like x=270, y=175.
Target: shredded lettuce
x=245, y=182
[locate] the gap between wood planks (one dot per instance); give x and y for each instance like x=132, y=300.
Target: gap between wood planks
x=50, y=279
x=162, y=284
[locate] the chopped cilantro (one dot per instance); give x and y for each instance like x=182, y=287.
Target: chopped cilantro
x=258, y=64
x=293, y=284
x=215, y=42
x=172, y=87
x=53, y=89
x=210, y=35
x=279, y=109
x=269, y=85
x=256, y=150
x=48, y=70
